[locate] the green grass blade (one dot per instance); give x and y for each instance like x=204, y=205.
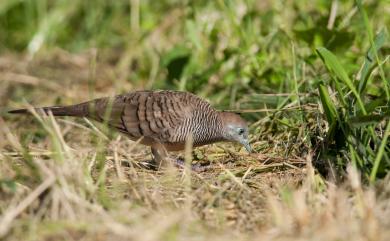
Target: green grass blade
x=380, y=153
x=369, y=59
x=365, y=120
x=386, y=82
x=337, y=69
x=327, y=104
x=378, y=102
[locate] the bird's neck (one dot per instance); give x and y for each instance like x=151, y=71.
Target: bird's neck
x=211, y=131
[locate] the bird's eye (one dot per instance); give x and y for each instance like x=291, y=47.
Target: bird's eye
x=241, y=131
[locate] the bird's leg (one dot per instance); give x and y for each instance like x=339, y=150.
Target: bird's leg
x=160, y=155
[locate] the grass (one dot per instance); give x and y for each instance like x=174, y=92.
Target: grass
x=311, y=77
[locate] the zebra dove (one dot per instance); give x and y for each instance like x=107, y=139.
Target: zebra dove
x=163, y=119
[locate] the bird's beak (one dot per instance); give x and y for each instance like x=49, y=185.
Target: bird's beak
x=247, y=146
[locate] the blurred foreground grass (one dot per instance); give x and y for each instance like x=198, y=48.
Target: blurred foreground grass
x=310, y=76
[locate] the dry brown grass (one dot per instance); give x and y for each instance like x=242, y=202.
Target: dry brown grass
x=72, y=182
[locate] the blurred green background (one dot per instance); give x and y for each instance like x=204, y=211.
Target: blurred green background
x=224, y=48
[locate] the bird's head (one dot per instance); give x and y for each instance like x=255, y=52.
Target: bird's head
x=235, y=129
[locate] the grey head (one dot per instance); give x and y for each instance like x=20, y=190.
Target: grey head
x=235, y=129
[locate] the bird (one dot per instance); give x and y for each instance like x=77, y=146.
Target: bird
x=164, y=120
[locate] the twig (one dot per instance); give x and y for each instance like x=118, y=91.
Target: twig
x=333, y=14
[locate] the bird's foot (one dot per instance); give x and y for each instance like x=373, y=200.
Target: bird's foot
x=149, y=165
x=180, y=163
x=176, y=162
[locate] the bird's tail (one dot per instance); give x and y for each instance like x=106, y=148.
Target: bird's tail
x=79, y=110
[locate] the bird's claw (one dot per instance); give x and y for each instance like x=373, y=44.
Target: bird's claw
x=180, y=163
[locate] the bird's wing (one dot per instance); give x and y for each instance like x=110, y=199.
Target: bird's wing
x=152, y=115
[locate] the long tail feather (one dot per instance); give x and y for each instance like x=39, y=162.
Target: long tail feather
x=79, y=110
